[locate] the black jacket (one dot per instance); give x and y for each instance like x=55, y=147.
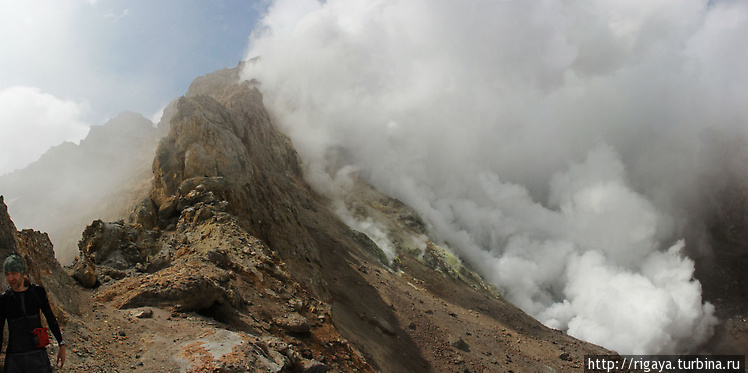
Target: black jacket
x=19, y=327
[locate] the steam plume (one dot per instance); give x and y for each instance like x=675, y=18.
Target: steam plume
x=556, y=145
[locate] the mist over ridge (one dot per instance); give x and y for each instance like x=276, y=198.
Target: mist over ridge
x=561, y=148
x=72, y=184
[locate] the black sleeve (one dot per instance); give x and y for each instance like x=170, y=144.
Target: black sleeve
x=48, y=314
x=3, y=299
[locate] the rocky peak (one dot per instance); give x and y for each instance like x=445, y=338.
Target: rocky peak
x=232, y=151
x=126, y=133
x=220, y=84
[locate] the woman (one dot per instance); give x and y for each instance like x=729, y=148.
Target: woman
x=20, y=305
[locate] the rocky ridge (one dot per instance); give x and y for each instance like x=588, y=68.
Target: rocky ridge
x=233, y=263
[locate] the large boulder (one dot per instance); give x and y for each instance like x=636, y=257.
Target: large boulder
x=85, y=272
x=188, y=285
x=118, y=244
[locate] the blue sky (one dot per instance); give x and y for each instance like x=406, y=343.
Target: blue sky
x=70, y=64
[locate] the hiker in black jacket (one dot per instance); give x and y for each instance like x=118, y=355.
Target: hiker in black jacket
x=20, y=306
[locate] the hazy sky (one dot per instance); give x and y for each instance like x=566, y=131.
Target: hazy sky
x=69, y=64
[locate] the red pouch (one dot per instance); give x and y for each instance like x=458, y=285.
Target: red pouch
x=41, y=337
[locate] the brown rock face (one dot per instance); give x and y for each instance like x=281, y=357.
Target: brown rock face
x=230, y=152
x=8, y=244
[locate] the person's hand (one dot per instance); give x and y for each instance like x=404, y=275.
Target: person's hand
x=61, y=357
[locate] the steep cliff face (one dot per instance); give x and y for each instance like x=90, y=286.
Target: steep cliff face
x=235, y=155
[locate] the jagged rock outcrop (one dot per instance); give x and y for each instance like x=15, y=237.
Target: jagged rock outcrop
x=109, y=249
x=118, y=245
x=233, y=151
x=209, y=264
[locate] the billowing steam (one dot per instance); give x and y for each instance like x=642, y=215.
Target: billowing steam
x=554, y=144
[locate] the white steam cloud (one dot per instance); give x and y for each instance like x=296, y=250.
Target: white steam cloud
x=551, y=143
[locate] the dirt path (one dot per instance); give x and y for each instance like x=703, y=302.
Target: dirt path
x=105, y=339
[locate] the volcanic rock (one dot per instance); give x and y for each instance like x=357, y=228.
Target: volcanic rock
x=191, y=285
x=293, y=323
x=85, y=273
x=461, y=345
x=144, y=314
x=312, y=366
x=117, y=244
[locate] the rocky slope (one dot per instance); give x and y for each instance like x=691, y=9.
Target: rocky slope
x=233, y=263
